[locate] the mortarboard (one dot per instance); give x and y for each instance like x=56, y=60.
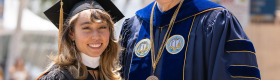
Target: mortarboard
x=72, y=7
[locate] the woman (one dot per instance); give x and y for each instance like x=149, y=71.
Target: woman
x=186, y=40
x=18, y=71
x=1, y=74
x=87, y=49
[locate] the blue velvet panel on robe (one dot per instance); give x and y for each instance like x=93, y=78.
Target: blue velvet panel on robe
x=240, y=45
x=141, y=66
x=244, y=72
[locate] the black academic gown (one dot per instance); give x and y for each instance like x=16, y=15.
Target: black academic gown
x=215, y=47
x=54, y=73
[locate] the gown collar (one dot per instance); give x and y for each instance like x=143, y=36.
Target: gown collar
x=188, y=8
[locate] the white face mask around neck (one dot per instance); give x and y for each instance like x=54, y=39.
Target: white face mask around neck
x=91, y=62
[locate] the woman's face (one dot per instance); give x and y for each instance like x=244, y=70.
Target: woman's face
x=20, y=63
x=90, y=38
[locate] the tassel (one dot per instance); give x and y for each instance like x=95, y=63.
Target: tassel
x=60, y=25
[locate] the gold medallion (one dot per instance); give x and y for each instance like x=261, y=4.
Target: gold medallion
x=152, y=78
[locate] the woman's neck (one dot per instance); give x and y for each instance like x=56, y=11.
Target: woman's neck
x=166, y=5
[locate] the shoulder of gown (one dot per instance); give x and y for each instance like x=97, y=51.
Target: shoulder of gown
x=56, y=74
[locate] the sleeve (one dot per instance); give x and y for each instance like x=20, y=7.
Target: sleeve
x=231, y=54
x=128, y=36
x=123, y=40
x=124, y=33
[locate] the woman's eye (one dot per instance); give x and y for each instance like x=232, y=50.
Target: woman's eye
x=103, y=27
x=86, y=28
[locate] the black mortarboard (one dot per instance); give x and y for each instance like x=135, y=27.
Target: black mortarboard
x=72, y=7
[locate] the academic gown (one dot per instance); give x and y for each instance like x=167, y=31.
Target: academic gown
x=213, y=45
x=54, y=73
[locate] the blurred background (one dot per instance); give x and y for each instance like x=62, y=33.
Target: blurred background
x=27, y=37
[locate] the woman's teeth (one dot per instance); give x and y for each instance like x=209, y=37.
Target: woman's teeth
x=95, y=45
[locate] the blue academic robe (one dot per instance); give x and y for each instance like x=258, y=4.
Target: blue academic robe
x=206, y=43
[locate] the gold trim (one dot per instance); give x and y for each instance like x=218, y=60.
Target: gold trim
x=195, y=15
x=244, y=77
x=244, y=65
x=138, y=45
x=238, y=40
x=182, y=47
x=187, y=49
x=241, y=51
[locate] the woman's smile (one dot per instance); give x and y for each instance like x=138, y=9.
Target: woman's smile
x=95, y=45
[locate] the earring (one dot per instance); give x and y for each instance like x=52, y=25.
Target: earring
x=73, y=47
x=73, y=43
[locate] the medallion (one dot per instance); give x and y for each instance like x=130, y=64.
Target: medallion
x=152, y=78
x=175, y=44
x=142, y=48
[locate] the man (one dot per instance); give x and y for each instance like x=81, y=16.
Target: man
x=186, y=40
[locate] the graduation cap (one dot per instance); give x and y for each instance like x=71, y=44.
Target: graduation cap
x=65, y=9
x=72, y=7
